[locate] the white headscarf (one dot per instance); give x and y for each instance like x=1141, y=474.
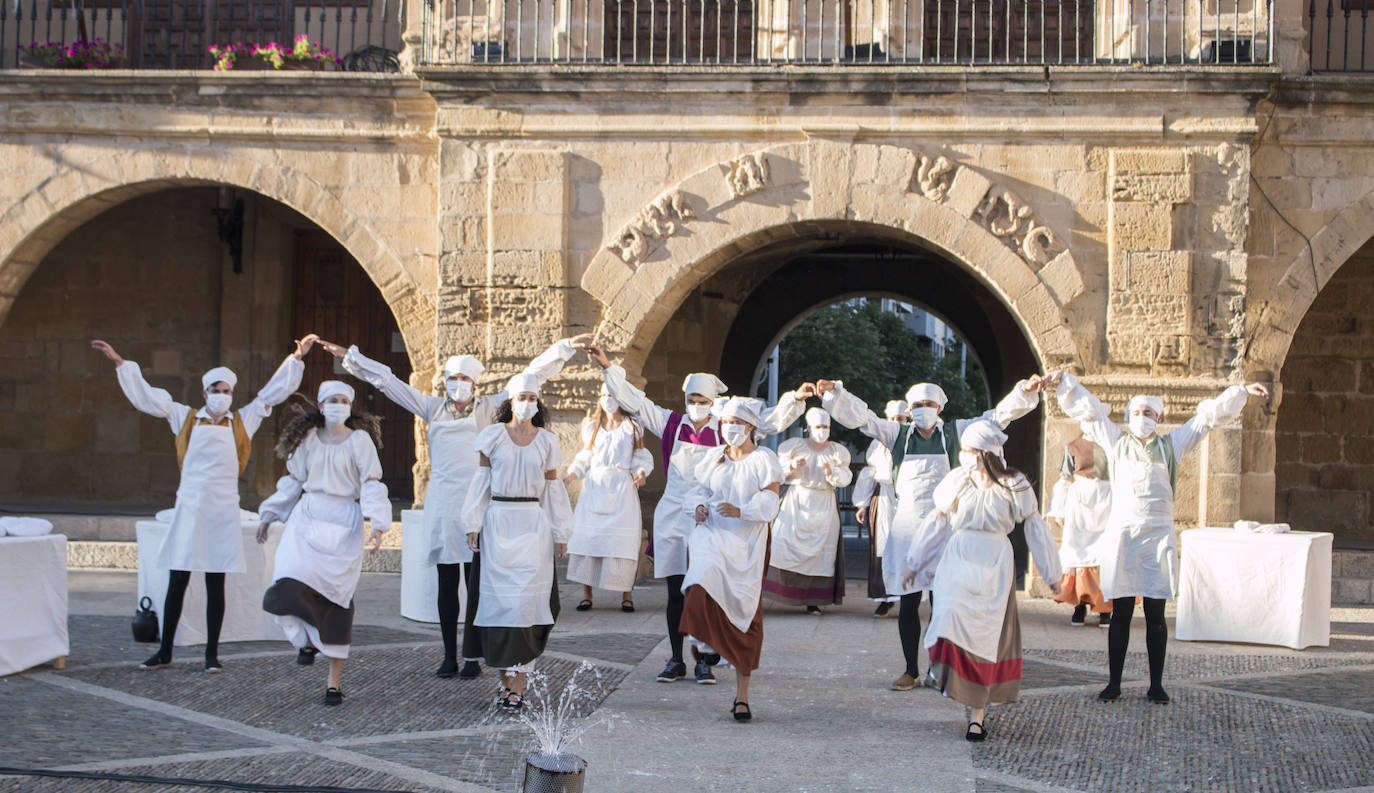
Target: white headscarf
x=895, y=408
x=522, y=383
x=816, y=417
x=708, y=385
x=1141, y=400
x=331, y=388
x=463, y=364
x=922, y=392
x=216, y=375
x=984, y=436
x=746, y=409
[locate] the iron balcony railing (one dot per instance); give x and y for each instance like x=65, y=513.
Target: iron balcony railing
x=860, y=32
x=1339, y=35
x=177, y=34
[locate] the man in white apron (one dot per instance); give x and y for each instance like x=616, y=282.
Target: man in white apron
x=922, y=453
x=213, y=445
x=1137, y=551
x=876, y=502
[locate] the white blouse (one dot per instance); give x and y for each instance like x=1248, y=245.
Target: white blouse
x=518, y=471
x=349, y=470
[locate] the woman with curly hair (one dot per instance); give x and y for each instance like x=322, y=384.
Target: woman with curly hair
x=332, y=483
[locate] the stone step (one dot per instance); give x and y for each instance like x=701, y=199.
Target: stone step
x=118, y=555
x=1352, y=577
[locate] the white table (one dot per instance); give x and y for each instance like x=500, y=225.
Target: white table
x=244, y=619
x=419, y=580
x=1236, y=586
x=33, y=625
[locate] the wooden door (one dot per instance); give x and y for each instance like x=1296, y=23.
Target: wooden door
x=176, y=34
x=1009, y=31
x=677, y=31
x=334, y=297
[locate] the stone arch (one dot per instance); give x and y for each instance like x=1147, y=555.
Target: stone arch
x=806, y=189
x=77, y=192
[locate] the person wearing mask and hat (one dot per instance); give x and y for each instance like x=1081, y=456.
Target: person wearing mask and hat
x=452, y=422
x=806, y=566
x=964, y=556
x=332, y=483
x=1137, y=551
x=213, y=445
x=518, y=516
x=922, y=453
x=733, y=499
x=686, y=437
x=876, y=502
x=607, y=527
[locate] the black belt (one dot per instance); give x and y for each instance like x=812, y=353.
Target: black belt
x=518, y=499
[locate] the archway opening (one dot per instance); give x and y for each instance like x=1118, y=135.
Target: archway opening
x=180, y=279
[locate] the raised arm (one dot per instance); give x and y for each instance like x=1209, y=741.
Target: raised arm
x=1087, y=410
x=379, y=376
x=851, y=411
x=282, y=384
x=1023, y=398
x=550, y=362
x=652, y=418
x=153, y=401
x=790, y=406
x=1212, y=413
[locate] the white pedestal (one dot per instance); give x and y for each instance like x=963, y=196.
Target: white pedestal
x=419, y=581
x=244, y=619
x=1237, y=586
x=33, y=624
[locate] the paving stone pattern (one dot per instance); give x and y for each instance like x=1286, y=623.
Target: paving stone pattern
x=1351, y=689
x=490, y=759
x=621, y=648
x=1195, y=666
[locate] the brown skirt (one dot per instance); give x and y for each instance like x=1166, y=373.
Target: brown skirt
x=704, y=620
x=1080, y=585
x=795, y=589
x=291, y=598
x=979, y=682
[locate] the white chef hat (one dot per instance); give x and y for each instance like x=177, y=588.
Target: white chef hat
x=816, y=417
x=463, y=364
x=708, y=385
x=922, y=392
x=331, y=388
x=1141, y=400
x=218, y=374
x=744, y=408
x=522, y=383
x=984, y=436
x=895, y=408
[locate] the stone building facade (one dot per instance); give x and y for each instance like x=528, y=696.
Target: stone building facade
x=1170, y=229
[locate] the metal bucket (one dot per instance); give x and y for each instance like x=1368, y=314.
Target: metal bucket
x=554, y=773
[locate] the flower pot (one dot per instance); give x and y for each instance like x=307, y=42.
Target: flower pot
x=247, y=63
x=311, y=65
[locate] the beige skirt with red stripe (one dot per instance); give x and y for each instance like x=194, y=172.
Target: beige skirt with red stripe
x=979, y=682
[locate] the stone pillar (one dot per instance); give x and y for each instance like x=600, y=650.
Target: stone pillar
x=412, y=37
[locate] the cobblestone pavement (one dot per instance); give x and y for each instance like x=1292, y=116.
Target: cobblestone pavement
x=1245, y=718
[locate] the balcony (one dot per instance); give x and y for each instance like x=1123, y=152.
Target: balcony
x=1340, y=37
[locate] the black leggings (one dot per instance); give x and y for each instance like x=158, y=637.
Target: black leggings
x=675, y=601
x=177, y=582
x=1119, y=638
x=909, y=629
x=448, y=606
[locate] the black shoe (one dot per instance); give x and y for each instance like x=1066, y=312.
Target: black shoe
x=1109, y=694
x=585, y=605
x=449, y=668
x=1080, y=615
x=1104, y=620
x=746, y=715
x=306, y=656
x=333, y=696
x=703, y=673
x=511, y=702
x=470, y=670
x=213, y=666
x=672, y=671
x=813, y=610
x=156, y=662
x=627, y=606
x=1158, y=695
x=883, y=608
x=976, y=737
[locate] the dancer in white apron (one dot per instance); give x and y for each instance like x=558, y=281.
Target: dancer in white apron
x=608, y=530
x=452, y=422
x=806, y=563
x=687, y=436
x=922, y=453
x=876, y=502
x=517, y=514
x=734, y=498
x=964, y=556
x=1137, y=551
x=1081, y=501
x=332, y=483
x=213, y=445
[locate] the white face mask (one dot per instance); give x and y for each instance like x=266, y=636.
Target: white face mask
x=218, y=403
x=458, y=390
x=820, y=434
x=608, y=403
x=970, y=460
x=924, y=417
x=698, y=412
x=336, y=413
x=524, y=411
x=1142, y=426
x=734, y=434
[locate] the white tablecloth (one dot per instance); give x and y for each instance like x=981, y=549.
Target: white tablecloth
x=33, y=623
x=1256, y=588
x=244, y=619
x=419, y=581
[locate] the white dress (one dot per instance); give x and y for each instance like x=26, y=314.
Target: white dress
x=808, y=524
x=1084, y=504
x=206, y=533
x=608, y=529
x=451, y=437
x=328, y=490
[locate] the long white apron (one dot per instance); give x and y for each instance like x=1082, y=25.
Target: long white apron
x=972, y=582
x=517, y=566
x=1086, y=509
x=915, y=488
x=453, y=461
x=205, y=534
x=322, y=546
x=806, y=531
x=606, y=523
x=884, y=507
x=672, y=526
x=1137, y=551
x=727, y=561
